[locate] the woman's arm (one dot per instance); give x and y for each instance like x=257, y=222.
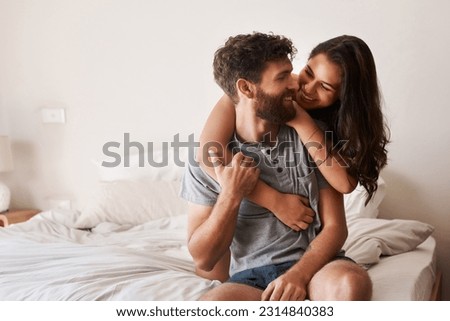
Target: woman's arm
x=292, y=210
x=332, y=167
x=293, y=284
x=217, y=133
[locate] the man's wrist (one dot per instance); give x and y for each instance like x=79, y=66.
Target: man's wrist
x=299, y=275
x=231, y=196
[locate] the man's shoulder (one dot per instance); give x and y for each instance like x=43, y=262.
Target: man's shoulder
x=288, y=134
x=198, y=187
x=286, y=130
x=195, y=171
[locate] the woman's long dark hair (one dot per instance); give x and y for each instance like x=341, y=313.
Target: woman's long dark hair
x=356, y=119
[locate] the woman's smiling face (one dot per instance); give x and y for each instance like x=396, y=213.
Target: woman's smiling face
x=319, y=82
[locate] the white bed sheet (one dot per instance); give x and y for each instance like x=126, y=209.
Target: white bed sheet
x=407, y=276
x=46, y=259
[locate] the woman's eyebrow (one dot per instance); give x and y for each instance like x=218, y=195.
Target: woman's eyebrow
x=312, y=73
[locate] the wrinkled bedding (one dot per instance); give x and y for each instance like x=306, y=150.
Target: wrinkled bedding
x=48, y=258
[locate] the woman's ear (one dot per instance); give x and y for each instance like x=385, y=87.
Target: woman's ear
x=246, y=88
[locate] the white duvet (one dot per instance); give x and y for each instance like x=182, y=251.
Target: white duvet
x=46, y=259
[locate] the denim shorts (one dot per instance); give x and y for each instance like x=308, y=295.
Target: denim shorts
x=260, y=277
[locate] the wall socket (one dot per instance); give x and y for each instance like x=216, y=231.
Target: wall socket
x=53, y=115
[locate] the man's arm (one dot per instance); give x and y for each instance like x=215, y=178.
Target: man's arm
x=292, y=285
x=211, y=259
x=211, y=229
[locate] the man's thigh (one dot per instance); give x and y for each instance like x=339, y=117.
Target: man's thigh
x=232, y=292
x=340, y=280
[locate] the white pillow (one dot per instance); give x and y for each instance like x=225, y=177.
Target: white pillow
x=132, y=202
x=354, y=202
x=370, y=238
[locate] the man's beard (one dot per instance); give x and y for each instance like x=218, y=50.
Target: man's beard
x=273, y=109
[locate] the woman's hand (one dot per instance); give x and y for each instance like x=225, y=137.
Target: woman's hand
x=293, y=210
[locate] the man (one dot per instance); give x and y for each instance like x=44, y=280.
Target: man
x=269, y=261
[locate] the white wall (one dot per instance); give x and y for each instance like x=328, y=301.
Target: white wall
x=144, y=67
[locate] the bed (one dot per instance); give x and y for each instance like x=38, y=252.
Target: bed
x=129, y=243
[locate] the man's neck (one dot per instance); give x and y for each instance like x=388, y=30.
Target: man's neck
x=251, y=128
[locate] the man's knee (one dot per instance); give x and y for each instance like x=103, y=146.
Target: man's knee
x=341, y=280
x=232, y=292
x=354, y=285
x=212, y=296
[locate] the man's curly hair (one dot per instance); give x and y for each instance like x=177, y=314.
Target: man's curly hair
x=245, y=56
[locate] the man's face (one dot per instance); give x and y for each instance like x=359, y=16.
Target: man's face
x=277, y=109
x=276, y=92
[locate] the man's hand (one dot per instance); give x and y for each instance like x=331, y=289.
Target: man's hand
x=294, y=211
x=287, y=287
x=238, y=179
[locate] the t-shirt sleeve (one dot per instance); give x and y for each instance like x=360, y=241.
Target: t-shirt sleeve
x=198, y=187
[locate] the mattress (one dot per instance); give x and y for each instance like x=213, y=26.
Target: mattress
x=406, y=276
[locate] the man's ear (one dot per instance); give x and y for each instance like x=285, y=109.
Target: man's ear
x=246, y=88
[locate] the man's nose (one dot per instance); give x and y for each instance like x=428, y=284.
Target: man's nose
x=294, y=83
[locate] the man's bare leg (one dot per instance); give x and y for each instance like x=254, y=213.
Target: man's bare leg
x=232, y=292
x=340, y=280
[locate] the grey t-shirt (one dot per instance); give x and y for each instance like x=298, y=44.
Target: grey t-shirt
x=260, y=237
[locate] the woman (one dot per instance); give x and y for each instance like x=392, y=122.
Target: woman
x=338, y=89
